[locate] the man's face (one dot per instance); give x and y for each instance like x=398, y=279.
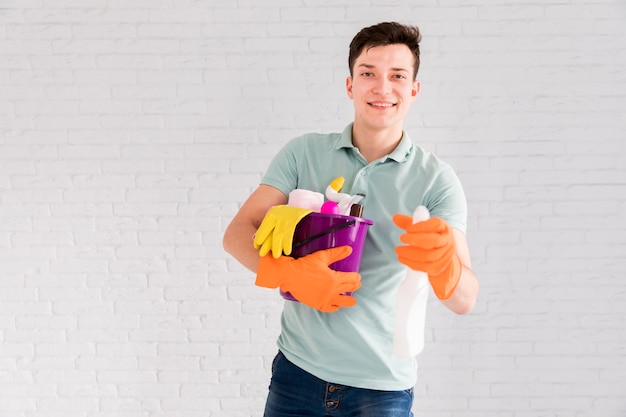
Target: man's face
x=382, y=86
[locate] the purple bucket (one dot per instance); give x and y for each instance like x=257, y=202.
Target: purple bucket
x=318, y=231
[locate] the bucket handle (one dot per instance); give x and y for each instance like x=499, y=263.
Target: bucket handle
x=324, y=233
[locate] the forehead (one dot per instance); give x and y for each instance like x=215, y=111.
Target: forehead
x=395, y=55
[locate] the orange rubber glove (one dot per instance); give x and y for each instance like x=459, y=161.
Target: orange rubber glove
x=430, y=248
x=310, y=280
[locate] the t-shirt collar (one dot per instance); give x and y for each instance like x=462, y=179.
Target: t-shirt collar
x=399, y=154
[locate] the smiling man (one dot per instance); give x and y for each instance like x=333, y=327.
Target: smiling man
x=335, y=350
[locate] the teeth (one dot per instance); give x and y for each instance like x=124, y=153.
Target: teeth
x=382, y=104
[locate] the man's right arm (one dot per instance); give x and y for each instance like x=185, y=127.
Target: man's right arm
x=239, y=235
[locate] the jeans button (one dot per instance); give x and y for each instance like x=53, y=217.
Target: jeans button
x=331, y=388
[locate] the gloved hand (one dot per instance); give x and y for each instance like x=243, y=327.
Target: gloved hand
x=310, y=280
x=430, y=249
x=277, y=229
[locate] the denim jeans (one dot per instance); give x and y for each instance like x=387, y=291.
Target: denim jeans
x=294, y=392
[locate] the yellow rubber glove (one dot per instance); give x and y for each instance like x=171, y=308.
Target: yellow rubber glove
x=430, y=249
x=277, y=229
x=310, y=280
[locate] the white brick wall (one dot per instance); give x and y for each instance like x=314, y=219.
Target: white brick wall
x=131, y=130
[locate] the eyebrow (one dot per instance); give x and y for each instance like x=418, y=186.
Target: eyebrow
x=370, y=66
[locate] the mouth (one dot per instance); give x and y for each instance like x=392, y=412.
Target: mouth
x=381, y=104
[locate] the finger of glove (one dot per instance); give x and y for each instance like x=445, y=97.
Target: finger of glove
x=433, y=262
x=278, y=240
x=425, y=255
x=287, y=231
x=411, y=263
x=265, y=230
x=349, y=282
x=332, y=255
x=343, y=301
x=431, y=268
x=328, y=308
x=402, y=221
x=336, y=303
x=316, y=300
x=432, y=225
x=260, y=239
x=425, y=240
x=265, y=246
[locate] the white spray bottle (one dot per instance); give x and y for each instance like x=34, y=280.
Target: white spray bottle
x=411, y=301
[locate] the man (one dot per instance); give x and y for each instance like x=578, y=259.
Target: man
x=335, y=350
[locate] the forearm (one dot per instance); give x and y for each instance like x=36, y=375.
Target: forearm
x=239, y=235
x=238, y=243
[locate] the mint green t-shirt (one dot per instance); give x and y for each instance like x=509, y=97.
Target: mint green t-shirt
x=353, y=346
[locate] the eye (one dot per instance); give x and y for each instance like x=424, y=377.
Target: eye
x=399, y=76
x=367, y=74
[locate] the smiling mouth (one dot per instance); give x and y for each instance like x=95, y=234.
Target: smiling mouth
x=382, y=105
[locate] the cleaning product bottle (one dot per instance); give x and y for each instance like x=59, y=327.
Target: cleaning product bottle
x=343, y=200
x=411, y=300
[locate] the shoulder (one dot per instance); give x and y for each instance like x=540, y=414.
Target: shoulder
x=315, y=139
x=310, y=145
x=428, y=162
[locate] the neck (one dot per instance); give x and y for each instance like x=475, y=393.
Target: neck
x=374, y=144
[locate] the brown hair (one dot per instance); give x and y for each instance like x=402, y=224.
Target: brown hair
x=386, y=33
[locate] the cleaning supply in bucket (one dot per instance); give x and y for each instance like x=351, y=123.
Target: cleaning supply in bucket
x=306, y=199
x=319, y=231
x=330, y=207
x=345, y=201
x=411, y=301
x=356, y=210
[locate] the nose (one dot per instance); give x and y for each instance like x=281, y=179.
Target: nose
x=382, y=86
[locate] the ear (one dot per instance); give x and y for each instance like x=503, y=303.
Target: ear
x=416, y=88
x=349, y=87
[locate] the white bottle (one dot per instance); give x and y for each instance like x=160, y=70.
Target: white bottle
x=411, y=301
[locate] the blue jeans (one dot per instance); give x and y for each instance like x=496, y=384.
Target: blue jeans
x=294, y=392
